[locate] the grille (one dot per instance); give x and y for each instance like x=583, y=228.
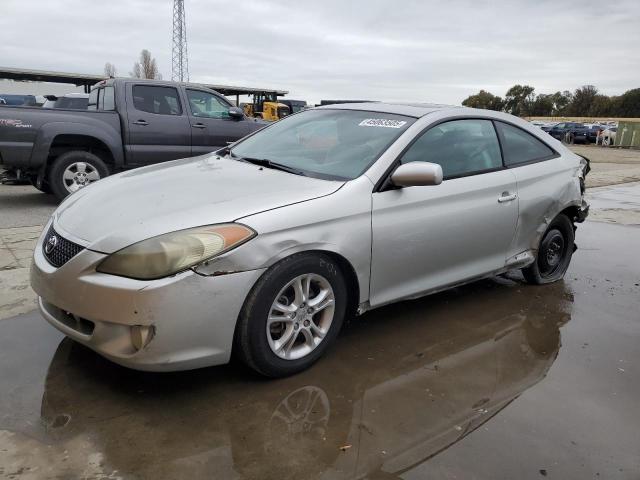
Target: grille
x=60, y=249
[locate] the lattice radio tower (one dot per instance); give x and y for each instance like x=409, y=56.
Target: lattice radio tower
x=179, y=56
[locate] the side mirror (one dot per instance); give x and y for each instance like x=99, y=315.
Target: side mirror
x=236, y=113
x=417, y=174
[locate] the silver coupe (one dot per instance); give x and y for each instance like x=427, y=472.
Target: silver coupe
x=265, y=247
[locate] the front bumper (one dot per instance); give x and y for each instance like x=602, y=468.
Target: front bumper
x=190, y=319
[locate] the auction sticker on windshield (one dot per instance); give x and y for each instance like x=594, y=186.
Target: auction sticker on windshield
x=382, y=122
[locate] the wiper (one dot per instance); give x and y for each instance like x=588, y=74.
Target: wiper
x=265, y=162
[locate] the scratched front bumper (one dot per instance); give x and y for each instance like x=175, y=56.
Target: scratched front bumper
x=193, y=316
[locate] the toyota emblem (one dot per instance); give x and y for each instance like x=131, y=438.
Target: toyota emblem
x=52, y=243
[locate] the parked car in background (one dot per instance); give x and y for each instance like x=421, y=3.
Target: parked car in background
x=593, y=131
x=265, y=247
x=128, y=123
x=70, y=101
x=569, y=132
x=548, y=126
x=18, y=100
x=607, y=137
x=295, y=106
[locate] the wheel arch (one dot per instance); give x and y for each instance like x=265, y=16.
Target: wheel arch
x=64, y=143
x=67, y=136
x=346, y=268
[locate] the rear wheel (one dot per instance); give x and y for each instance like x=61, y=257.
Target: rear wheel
x=44, y=186
x=74, y=170
x=292, y=315
x=554, y=253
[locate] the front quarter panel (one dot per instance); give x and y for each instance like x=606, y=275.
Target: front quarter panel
x=338, y=223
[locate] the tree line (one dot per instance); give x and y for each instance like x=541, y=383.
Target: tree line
x=586, y=101
x=146, y=67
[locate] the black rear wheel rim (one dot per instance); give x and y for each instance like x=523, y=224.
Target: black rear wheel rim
x=553, y=250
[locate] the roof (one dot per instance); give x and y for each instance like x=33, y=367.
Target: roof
x=408, y=109
x=89, y=79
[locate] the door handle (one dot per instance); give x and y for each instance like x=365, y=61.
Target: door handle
x=144, y=123
x=506, y=197
x=199, y=125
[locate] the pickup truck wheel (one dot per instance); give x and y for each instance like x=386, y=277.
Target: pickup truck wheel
x=72, y=171
x=44, y=188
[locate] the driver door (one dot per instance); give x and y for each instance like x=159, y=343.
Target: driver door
x=429, y=237
x=212, y=127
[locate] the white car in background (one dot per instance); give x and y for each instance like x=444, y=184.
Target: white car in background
x=608, y=137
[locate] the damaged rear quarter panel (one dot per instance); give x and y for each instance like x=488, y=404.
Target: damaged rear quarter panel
x=339, y=223
x=544, y=190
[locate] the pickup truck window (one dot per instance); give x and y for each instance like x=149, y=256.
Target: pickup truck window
x=93, y=99
x=205, y=104
x=106, y=100
x=154, y=99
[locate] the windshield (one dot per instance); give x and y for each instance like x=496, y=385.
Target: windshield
x=332, y=144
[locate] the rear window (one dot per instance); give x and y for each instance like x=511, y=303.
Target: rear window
x=73, y=103
x=93, y=99
x=107, y=99
x=520, y=147
x=156, y=99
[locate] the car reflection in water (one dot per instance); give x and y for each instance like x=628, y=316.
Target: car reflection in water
x=403, y=383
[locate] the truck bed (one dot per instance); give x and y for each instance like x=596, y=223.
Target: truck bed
x=19, y=128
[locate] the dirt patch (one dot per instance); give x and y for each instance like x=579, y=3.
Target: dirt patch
x=610, y=166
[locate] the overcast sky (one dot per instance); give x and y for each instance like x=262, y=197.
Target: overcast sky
x=367, y=49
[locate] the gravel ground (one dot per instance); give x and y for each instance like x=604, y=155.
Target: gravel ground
x=610, y=166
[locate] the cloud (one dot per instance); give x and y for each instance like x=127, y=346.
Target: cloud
x=371, y=49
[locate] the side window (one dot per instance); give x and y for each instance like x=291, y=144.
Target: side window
x=460, y=147
x=93, y=99
x=155, y=99
x=520, y=147
x=207, y=105
x=108, y=99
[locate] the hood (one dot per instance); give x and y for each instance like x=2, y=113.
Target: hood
x=139, y=204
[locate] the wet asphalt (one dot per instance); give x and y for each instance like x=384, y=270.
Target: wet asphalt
x=493, y=380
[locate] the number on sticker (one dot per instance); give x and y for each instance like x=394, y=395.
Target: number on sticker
x=382, y=122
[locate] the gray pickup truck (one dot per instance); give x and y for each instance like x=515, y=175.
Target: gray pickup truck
x=129, y=123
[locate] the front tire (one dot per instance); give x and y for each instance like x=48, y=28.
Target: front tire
x=74, y=170
x=554, y=253
x=292, y=315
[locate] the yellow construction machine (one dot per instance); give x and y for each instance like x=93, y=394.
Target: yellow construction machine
x=266, y=106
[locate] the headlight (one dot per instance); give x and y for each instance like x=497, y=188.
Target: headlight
x=174, y=252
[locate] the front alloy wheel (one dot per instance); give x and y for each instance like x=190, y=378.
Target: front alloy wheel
x=300, y=317
x=292, y=314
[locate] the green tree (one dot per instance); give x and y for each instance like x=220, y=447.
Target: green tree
x=560, y=102
x=484, y=99
x=582, y=100
x=601, y=106
x=627, y=104
x=542, y=106
x=519, y=100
